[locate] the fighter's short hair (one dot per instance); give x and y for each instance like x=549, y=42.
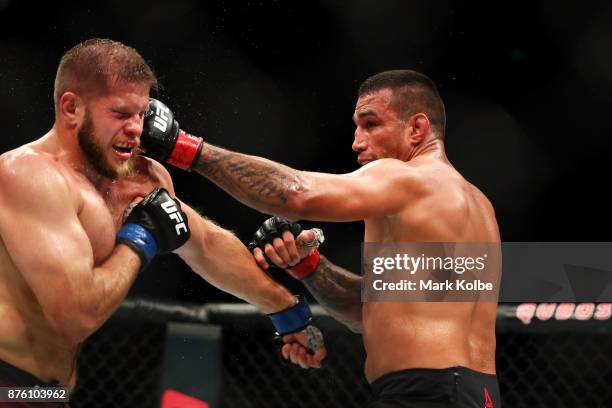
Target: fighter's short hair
x=96, y=64
x=413, y=92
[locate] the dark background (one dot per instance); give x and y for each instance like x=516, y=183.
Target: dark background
x=527, y=88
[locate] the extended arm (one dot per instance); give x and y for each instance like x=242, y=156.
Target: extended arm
x=381, y=187
x=221, y=259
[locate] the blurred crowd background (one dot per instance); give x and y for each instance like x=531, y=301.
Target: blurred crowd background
x=527, y=87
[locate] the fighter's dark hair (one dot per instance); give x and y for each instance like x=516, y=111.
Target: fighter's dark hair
x=413, y=92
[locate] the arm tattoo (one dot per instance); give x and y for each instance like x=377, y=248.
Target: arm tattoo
x=338, y=291
x=255, y=181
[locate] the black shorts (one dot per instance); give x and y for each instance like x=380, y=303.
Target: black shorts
x=457, y=387
x=11, y=376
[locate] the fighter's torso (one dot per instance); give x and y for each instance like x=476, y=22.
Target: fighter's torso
x=101, y=211
x=399, y=335
x=28, y=341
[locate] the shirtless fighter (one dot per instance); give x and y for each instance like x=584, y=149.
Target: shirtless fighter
x=68, y=254
x=418, y=354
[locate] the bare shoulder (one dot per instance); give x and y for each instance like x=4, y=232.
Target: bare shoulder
x=467, y=199
x=30, y=170
x=396, y=174
x=390, y=168
x=154, y=172
x=382, y=165
x=481, y=197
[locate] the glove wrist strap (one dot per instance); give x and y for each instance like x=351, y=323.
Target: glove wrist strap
x=306, y=266
x=293, y=319
x=186, y=150
x=140, y=240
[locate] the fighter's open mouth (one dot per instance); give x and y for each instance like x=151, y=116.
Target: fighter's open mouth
x=122, y=148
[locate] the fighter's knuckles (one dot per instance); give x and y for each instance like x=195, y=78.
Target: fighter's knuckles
x=270, y=228
x=278, y=245
x=269, y=250
x=260, y=259
x=288, y=238
x=294, y=258
x=302, y=357
x=285, y=350
x=293, y=354
x=313, y=362
x=257, y=241
x=273, y=255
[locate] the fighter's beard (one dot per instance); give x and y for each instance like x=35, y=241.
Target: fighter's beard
x=95, y=153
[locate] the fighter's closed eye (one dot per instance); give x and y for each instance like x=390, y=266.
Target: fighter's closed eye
x=121, y=114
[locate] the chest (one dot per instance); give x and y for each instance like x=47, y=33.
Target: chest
x=102, y=213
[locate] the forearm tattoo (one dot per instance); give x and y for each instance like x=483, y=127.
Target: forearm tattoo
x=336, y=289
x=248, y=178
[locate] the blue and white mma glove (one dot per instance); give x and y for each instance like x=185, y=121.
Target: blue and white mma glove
x=155, y=225
x=295, y=319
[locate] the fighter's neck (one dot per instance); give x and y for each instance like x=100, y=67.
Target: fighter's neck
x=65, y=147
x=433, y=148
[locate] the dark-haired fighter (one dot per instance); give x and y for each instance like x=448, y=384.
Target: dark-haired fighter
x=68, y=255
x=418, y=354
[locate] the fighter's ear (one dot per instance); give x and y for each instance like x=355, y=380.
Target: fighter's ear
x=71, y=109
x=418, y=127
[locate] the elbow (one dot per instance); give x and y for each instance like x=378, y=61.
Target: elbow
x=72, y=334
x=73, y=327
x=299, y=203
